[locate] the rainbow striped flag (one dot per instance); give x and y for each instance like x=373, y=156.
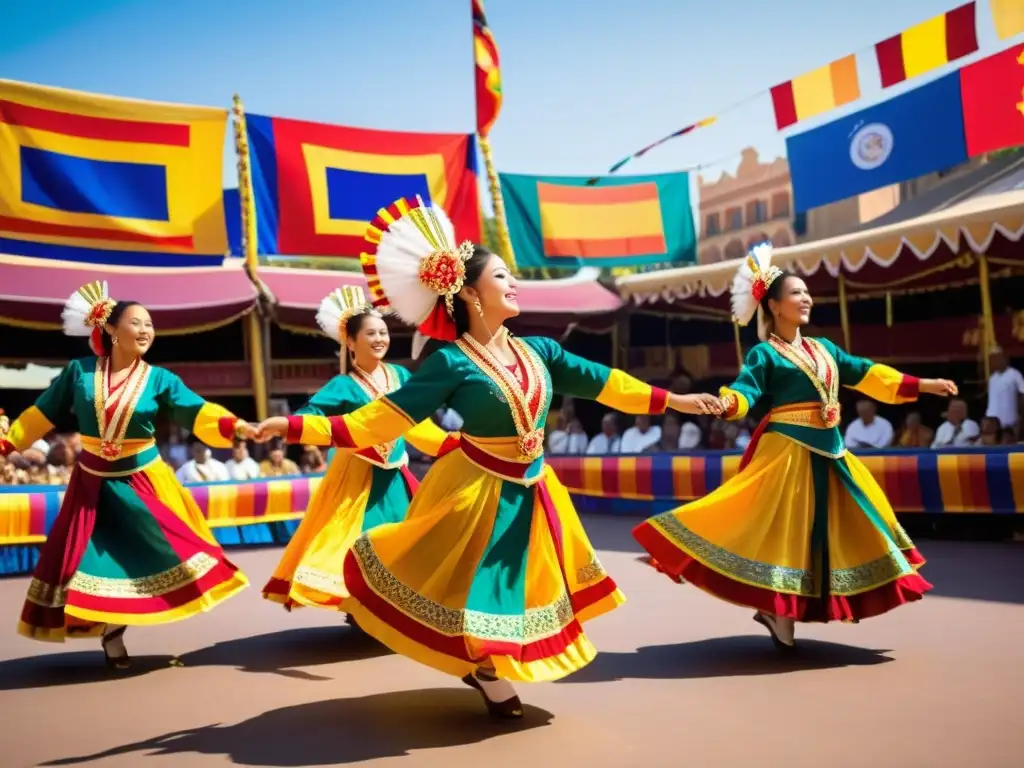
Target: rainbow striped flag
x=559, y=221
x=105, y=180
x=927, y=46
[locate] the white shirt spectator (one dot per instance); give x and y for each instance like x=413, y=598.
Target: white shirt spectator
x=1004, y=390
x=602, y=445
x=689, y=436
x=877, y=434
x=246, y=469
x=210, y=471
x=635, y=441
x=561, y=442
x=42, y=446
x=949, y=434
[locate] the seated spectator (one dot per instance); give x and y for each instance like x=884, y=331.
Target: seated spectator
x=8, y=472
x=690, y=436
x=37, y=471
x=639, y=437
x=312, y=461
x=449, y=419
x=61, y=462
x=915, y=434
x=991, y=431
x=242, y=466
x=957, y=429
x=668, y=441
x=1009, y=436
x=608, y=441
x=743, y=434
x=868, y=430
x=202, y=467
x=175, y=452
x=717, y=440
x=277, y=464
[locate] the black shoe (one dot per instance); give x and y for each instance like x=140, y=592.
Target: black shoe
x=510, y=709
x=115, y=662
x=351, y=621
x=779, y=645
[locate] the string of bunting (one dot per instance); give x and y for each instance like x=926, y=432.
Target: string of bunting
x=917, y=50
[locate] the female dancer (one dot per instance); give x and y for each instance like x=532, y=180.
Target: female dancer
x=803, y=532
x=491, y=573
x=360, y=490
x=130, y=546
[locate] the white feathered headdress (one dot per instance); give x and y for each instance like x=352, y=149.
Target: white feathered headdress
x=751, y=283
x=336, y=309
x=413, y=266
x=87, y=311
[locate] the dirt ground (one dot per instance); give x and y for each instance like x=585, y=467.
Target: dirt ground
x=682, y=679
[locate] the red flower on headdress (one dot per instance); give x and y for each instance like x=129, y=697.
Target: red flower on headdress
x=759, y=289
x=443, y=272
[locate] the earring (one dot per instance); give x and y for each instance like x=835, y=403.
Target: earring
x=113, y=339
x=478, y=308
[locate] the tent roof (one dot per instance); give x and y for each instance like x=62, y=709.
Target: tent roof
x=181, y=300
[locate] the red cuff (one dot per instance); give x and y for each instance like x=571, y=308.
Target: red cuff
x=450, y=443
x=659, y=400
x=294, y=434
x=734, y=407
x=910, y=388
x=226, y=427
x=6, y=447
x=340, y=436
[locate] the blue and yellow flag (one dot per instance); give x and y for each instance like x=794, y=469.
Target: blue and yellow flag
x=614, y=221
x=107, y=180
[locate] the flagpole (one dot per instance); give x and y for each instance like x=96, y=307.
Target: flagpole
x=498, y=202
x=253, y=325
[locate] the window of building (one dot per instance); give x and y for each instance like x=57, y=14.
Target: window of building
x=734, y=216
x=780, y=205
x=712, y=225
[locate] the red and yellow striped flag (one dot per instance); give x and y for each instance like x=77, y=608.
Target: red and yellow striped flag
x=928, y=45
x=1008, y=16
x=488, y=72
x=816, y=92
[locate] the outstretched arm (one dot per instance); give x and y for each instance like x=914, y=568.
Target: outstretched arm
x=378, y=422
x=749, y=387
x=39, y=419
x=885, y=384
x=578, y=377
x=213, y=424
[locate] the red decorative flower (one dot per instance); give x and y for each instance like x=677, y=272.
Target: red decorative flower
x=110, y=450
x=830, y=415
x=531, y=445
x=759, y=289
x=443, y=272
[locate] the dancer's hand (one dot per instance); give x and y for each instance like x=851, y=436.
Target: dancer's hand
x=246, y=431
x=696, y=404
x=940, y=387
x=275, y=426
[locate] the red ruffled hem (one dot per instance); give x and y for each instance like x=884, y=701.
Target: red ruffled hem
x=678, y=566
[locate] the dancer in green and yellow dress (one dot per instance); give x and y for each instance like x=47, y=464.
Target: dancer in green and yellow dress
x=491, y=574
x=129, y=546
x=360, y=490
x=803, y=532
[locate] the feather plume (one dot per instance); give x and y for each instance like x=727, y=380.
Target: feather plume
x=752, y=280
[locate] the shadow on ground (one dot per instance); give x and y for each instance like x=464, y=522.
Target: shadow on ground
x=723, y=657
x=338, y=731
x=280, y=653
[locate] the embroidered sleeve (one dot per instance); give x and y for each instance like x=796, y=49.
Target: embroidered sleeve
x=385, y=419
x=211, y=423
x=752, y=383
x=879, y=382
x=426, y=437
x=578, y=377
x=39, y=419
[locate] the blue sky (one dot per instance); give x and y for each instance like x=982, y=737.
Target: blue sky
x=585, y=82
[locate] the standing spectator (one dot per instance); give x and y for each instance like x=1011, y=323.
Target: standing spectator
x=690, y=436
x=202, y=467
x=1005, y=388
x=869, y=430
x=957, y=429
x=242, y=466
x=277, y=464
x=915, y=434
x=608, y=440
x=639, y=437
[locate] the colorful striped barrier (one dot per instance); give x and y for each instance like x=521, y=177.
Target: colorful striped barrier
x=246, y=513
x=974, y=481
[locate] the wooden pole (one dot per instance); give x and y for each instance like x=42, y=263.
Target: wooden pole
x=988, y=334
x=500, y=225
x=254, y=324
x=739, y=345
x=844, y=314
